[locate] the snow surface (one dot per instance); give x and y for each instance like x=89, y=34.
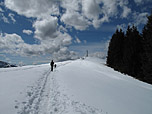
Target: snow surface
x=75, y=87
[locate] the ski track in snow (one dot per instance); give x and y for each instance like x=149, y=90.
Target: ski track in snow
x=46, y=98
x=34, y=96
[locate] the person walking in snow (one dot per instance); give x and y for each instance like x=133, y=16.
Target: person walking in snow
x=52, y=64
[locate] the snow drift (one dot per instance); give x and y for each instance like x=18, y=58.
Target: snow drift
x=75, y=87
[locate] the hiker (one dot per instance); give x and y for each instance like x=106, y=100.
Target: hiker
x=52, y=64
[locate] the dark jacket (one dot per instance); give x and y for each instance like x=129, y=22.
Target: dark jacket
x=52, y=63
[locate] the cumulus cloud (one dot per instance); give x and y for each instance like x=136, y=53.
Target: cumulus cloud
x=4, y=18
x=64, y=54
x=46, y=28
x=140, y=18
x=73, y=16
x=28, y=32
x=77, y=40
x=12, y=17
x=10, y=43
x=49, y=14
x=137, y=19
x=97, y=22
x=75, y=19
x=110, y=7
x=92, y=12
x=79, y=14
x=91, y=9
x=126, y=11
x=13, y=43
x=49, y=46
x=53, y=37
x=33, y=8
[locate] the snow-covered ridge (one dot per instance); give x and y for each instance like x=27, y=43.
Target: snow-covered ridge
x=75, y=87
x=6, y=65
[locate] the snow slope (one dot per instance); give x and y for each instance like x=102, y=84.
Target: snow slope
x=75, y=87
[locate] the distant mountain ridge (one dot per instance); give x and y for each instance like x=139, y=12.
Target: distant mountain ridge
x=6, y=65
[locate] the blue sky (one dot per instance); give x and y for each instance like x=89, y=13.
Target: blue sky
x=36, y=31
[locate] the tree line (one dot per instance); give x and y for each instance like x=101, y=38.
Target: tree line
x=131, y=52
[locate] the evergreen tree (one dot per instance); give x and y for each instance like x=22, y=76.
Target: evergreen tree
x=147, y=55
x=115, y=51
x=132, y=51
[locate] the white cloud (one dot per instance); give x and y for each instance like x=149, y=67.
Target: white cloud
x=64, y=54
x=33, y=8
x=122, y=26
x=92, y=12
x=46, y=28
x=62, y=29
x=78, y=14
x=97, y=22
x=72, y=5
x=110, y=7
x=12, y=17
x=91, y=9
x=106, y=45
x=1, y=10
x=10, y=43
x=75, y=19
x=126, y=11
x=52, y=36
x=72, y=15
x=28, y=32
x=140, y=18
x=65, y=38
x=77, y=40
x=13, y=43
x=4, y=18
